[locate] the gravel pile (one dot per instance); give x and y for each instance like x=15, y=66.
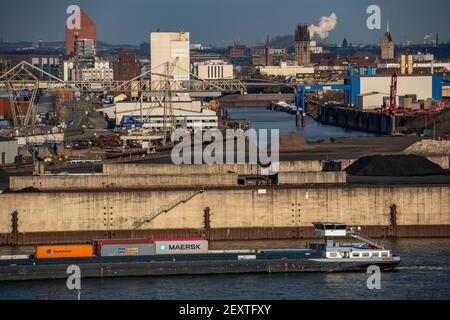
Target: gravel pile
x=293, y=142
x=429, y=147
x=394, y=166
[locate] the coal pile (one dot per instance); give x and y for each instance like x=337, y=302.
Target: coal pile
x=4, y=178
x=394, y=166
x=30, y=189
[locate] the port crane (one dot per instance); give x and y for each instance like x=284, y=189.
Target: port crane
x=393, y=95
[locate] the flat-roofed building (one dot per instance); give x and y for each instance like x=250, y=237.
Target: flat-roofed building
x=213, y=69
x=170, y=50
x=8, y=150
x=285, y=69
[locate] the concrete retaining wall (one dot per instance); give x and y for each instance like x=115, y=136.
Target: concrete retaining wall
x=95, y=181
x=311, y=177
x=229, y=208
x=249, y=169
x=187, y=169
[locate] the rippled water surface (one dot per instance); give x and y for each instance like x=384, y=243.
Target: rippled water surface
x=423, y=274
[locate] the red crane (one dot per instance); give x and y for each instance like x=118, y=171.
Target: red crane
x=393, y=96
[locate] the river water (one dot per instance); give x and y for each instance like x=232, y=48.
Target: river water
x=424, y=273
x=262, y=118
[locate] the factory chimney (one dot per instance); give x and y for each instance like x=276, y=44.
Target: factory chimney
x=267, y=52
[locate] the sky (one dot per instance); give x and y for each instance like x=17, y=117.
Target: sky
x=222, y=22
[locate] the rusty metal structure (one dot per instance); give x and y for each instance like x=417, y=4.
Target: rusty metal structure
x=21, y=77
x=14, y=236
x=220, y=234
x=24, y=77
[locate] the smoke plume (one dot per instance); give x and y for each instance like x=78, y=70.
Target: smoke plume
x=326, y=24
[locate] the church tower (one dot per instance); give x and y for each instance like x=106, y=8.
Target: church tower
x=302, y=45
x=387, y=46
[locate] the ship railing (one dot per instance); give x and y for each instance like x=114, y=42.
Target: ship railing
x=365, y=239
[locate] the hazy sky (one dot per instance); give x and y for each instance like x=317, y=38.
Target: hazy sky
x=221, y=22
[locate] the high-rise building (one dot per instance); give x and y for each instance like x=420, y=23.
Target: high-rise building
x=170, y=53
x=85, y=48
x=87, y=30
x=302, y=45
x=387, y=46
x=127, y=66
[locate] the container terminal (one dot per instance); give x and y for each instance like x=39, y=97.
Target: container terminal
x=144, y=257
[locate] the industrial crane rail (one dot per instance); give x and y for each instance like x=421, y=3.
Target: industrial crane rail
x=165, y=208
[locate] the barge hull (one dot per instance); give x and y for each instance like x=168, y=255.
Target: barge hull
x=157, y=268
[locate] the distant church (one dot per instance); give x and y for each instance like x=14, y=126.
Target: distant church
x=387, y=46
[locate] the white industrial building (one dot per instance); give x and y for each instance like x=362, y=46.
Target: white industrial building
x=100, y=71
x=172, y=48
x=213, y=69
x=368, y=92
x=66, y=66
x=189, y=120
x=285, y=69
x=187, y=113
x=313, y=48
x=8, y=150
x=423, y=64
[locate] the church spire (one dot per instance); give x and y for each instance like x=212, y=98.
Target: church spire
x=387, y=29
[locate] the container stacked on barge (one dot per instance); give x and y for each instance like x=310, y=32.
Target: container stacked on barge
x=145, y=257
x=124, y=247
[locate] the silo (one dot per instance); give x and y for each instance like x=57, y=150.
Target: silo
x=403, y=64
x=410, y=64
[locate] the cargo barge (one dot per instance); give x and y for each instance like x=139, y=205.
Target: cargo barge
x=144, y=257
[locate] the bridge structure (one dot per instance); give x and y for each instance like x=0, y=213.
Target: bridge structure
x=24, y=77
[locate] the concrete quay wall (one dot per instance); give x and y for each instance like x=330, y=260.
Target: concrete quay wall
x=357, y=119
x=311, y=177
x=242, y=169
x=280, y=207
x=102, y=181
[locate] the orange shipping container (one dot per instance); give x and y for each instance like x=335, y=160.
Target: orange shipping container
x=64, y=251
